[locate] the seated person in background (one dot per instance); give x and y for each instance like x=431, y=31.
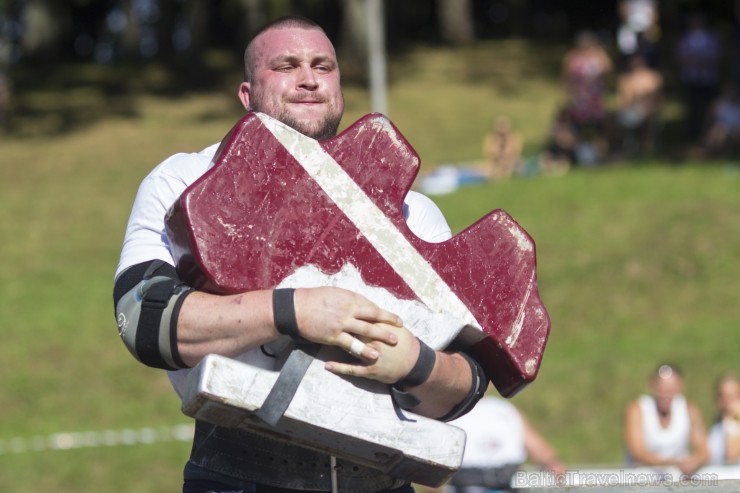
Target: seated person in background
x=499, y=440
x=586, y=70
x=723, y=136
x=663, y=428
x=639, y=92
x=560, y=153
x=724, y=435
x=502, y=148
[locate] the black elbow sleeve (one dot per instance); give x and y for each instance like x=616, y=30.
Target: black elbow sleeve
x=147, y=299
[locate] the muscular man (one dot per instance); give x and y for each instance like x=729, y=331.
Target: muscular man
x=291, y=74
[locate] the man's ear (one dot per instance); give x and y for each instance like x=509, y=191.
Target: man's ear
x=244, y=94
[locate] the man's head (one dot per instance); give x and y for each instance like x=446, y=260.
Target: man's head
x=291, y=74
x=665, y=384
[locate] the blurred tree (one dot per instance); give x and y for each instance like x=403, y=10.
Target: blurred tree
x=456, y=21
x=132, y=33
x=353, y=46
x=255, y=16
x=45, y=24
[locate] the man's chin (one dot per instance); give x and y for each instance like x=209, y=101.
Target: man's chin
x=316, y=128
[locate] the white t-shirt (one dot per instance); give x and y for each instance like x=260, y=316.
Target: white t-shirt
x=716, y=443
x=671, y=442
x=146, y=237
x=495, y=434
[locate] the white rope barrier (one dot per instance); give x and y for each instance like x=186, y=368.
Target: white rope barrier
x=103, y=438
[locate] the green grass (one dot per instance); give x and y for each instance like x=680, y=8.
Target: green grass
x=637, y=263
x=636, y=266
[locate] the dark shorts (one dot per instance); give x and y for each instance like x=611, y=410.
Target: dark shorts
x=211, y=486
x=208, y=482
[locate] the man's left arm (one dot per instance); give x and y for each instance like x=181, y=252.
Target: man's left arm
x=436, y=384
x=454, y=386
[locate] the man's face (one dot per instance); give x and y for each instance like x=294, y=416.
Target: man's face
x=295, y=79
x=664, y=389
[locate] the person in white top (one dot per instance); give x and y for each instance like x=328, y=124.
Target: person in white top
x=663, y=428
x=499, y=439
x=724, y=435
x=292, y=75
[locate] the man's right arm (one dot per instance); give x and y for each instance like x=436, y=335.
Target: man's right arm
x=231, y=324
x=166, y=324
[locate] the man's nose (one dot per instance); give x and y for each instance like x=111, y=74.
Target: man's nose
x=307, y=78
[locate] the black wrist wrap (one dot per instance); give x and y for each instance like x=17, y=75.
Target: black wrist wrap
x=283, y=312
x=421, y=370
x=417, y=376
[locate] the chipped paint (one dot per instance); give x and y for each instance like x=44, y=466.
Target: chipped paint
x=436, y=329
x=231, y=229
x=519, y=322
x=531, y=365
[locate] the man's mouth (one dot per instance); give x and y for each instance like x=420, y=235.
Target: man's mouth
x=306, y=101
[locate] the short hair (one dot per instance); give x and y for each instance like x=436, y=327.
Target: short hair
x=666, y=370
x=288, y=21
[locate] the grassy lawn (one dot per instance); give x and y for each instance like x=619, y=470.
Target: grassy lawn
x=638, y=263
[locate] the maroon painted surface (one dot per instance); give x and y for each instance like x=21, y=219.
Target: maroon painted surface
x=257, y=216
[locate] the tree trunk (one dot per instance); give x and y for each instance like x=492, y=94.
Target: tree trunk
x=45, y=22
x=255, y=16
x=456, y=21
x=131, y=33
x=196, y=13
x=353, y=48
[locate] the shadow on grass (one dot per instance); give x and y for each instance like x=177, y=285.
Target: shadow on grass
x=59, y=98
x=55, y=99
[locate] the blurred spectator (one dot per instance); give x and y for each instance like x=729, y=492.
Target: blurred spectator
x=639, y=94
x=499, y=439
x=502, y=147
x=663, y=428
x=698, y=54
x=560, y=153
x=6, y=57
x=586, y=68
x=723, y=135
x=724, y=435
x=638, y=32
x=735, y=43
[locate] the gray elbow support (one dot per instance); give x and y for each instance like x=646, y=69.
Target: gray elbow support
x=147, y=317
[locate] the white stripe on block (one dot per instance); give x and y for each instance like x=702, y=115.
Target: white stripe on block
x=390, y=243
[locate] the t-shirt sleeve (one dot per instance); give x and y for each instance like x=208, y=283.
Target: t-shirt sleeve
x=424, y=218
x=146, y=238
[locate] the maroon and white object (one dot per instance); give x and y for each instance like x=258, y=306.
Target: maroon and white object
x=277, y=202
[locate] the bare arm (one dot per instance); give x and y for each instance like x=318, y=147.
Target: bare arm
x=698, y=440
x=539, y=449
x=230, y=325
x=635, y=441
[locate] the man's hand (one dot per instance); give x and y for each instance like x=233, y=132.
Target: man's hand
x=339, y=317
x=393, y=362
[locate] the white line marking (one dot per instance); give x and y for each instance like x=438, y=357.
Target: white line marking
x=104, y=438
